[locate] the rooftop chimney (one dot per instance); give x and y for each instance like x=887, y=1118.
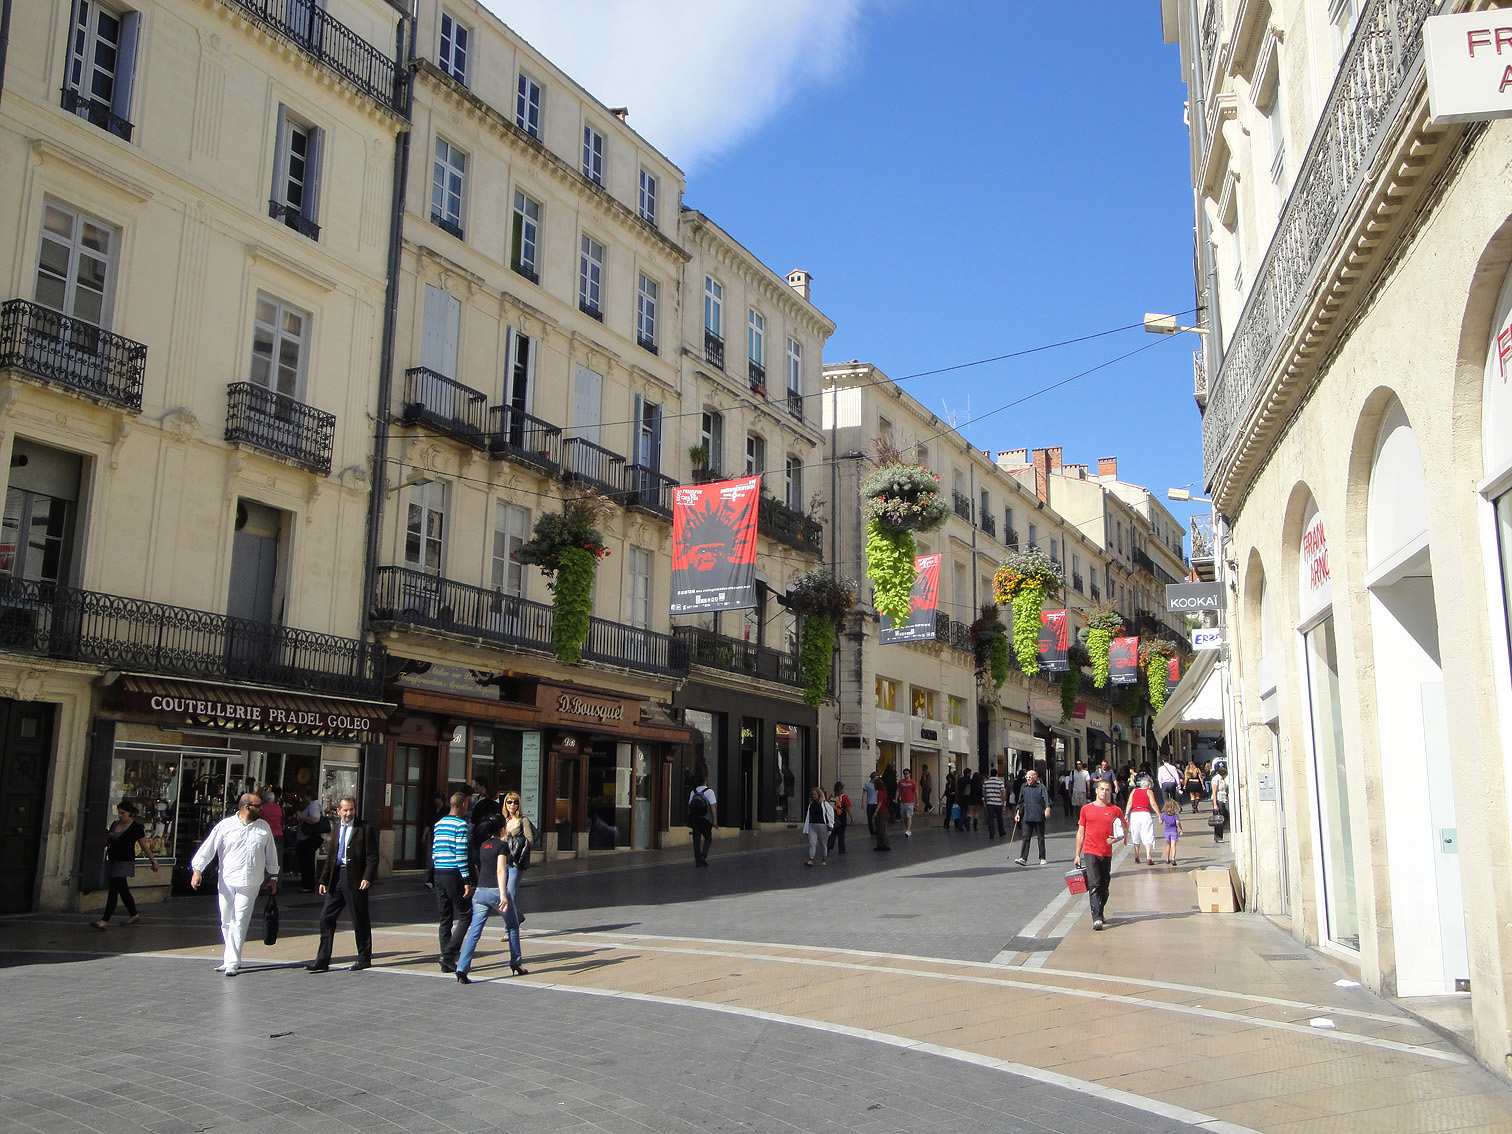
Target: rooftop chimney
x=620, y=112
x=1076, y=472
x=1042, y=474
x=801, y=282
x=1009, y=458
x=1107, y=466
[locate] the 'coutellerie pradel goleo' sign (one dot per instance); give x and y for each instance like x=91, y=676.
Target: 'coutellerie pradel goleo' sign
x=269, y=718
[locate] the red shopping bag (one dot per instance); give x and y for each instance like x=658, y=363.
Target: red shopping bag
x=1076, y=880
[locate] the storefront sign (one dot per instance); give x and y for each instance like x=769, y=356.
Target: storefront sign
x=1173, y=675
x=206, y=709
x=1018, y=741
x=923, y=602
x=1315, y=580
x=1189, y=598
x=530, y=777
x=570, y=706
x=1208, y=638
x=714, y=546
x=452, y=679
x=1123, y=661
x=1053, y=641
x=1469, y=61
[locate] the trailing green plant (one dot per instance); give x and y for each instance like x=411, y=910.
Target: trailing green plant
x=1024, y=580
x=699, y=455
x=567, y=546
x=1070, y=686
x=891, y=569
x=1154, y=655
x=1102, y=627
x=821, y=599
x=989, y=645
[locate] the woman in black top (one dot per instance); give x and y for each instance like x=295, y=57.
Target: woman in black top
x=948, y=798
x=121, y=841
x=492, y=897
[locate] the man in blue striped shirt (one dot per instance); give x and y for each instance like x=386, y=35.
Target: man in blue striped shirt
x=449, y=855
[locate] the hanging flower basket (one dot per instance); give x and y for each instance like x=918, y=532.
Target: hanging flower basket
x=1102, y=627
x=1154, y=654
x=900, y=499
x=989, y=646
x=1024, y=581
x=567, y=546
x=821, y=599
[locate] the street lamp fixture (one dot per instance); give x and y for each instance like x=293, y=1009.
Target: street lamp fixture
x=1184, y=496
x=1166, y=325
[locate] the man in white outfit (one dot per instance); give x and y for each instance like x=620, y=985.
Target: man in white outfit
x=248, y=855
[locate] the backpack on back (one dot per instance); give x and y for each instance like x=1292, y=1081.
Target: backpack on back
x=698, y=807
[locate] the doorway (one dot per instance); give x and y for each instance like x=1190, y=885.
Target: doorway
x=26, y=732
x=408, y=780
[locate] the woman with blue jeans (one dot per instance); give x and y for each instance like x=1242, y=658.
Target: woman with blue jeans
x=494, y=865
x=518, y=835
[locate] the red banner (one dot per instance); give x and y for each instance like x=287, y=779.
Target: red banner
x=923, y=602
x=1123, y=661
x=1054, y=639
x=714, y=545
x=1173, y=675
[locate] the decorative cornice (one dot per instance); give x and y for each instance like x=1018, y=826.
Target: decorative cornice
x=50, y=149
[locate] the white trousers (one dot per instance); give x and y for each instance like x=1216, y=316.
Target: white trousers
x=236, y=904
x=1142, y=829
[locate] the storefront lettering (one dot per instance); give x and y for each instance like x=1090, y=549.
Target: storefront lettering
x=1504, y=343
x=1315, y=552
x=581, y=707
x=270, y=716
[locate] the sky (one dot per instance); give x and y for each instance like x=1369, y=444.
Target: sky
x=965, y=179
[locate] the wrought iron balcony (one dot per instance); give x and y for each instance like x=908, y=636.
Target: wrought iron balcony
x=280, y=426
x=331, y=44
x=707, y=475
x=529, y=273
x=514, y=435
x=150, y=637
x=98, y=113
x=795, y=404
x=962, y=504
x=758, y=377
x=1202, y=536
x=646, y=342
x=591, y=309
x=649, y=490
x=1076, y=582
x=1380, y=62
x=1142, y=560
x=414, y=598
x=714, y=353
x=1010, y=539
x=593, y=464
x=790, y=526
x=1096, y=594
x=949, y=632
x=445, y=405
x=71, y=353
x=989, y=523
x=716, y=651
x=440, y=220
x=293, y=218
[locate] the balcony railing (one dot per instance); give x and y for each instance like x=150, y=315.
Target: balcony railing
x=646, y=342
x=1200, y=378
x=332, y=44
x=590, y=309
x=795, y=404
x=1202, y=536
x=989, y=523
x=758, y=376
x=593, y=464
x=716, y=651
x=98, y=113
x=1076, y=582
x=441, y=221
x=1142, y=561
x=713, y=349
x=1010, y=539
x=649, y=490
x=151, y=637
x=418, y=599
x=524, y=270
x=280, y=426
x=293, y=218
x=777, y=521
x=514, y=435
x=707, y=475
x=1212, y=28
x=949, y=632
x=1378, y=66
x=962, y=504
x=445, y=405
x=71, y=353
x=1094, y=592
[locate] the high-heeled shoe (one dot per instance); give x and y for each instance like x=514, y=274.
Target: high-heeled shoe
x=462, y=978
x=519, y=970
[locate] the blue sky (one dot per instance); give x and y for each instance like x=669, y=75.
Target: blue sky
x=964, y=179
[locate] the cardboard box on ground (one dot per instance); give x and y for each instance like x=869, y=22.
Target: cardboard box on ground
x=1216, y=889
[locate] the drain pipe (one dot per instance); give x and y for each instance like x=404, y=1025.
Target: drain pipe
x=5, y=11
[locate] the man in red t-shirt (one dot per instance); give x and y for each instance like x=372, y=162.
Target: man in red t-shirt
x=908, y=794
x=1094, y=850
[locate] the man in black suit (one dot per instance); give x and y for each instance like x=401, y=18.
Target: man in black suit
x=350, y=867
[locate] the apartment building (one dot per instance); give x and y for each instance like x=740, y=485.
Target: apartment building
x=198, y=234
x=1353, y=255
x=923, y=704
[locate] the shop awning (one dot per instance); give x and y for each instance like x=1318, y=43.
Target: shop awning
x=252, y=707
x=1057, y=727
x=1100, y=734
x=1197, y=701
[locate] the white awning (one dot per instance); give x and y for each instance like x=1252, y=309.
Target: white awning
x=1197, y=701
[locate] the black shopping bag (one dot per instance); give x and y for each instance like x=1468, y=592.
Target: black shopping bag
x=270, y=920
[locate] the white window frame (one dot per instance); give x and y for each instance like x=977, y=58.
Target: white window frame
x=453, y=50
x=713, y=308
x=794, y=366
x=78, y=250
x=756, y=337
x=304, y=170
x=639, y=563
x=278, y=338
x=593, y=155
x=525, y=235
x=426, y=499
x=85, y=74
x=1343, y=15
x=591, y=257
x=792, y=483
x=511, y=530
x=711, y=436
x=647, y=300
x=648, y=193
x=448, y=184
x=1273, y=117
x=755, y=460
x=528, y=105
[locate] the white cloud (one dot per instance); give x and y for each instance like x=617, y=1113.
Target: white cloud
x=697, y=75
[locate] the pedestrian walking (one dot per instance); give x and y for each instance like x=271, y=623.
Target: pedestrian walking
x=1033, y=811
x=351, y=866
x=1170, y=815
x=842, y=805
x=121, y=841
x=1192, y=785
x=312, y=825
x=1220, y=789
x=908, y=796
x=994, y=798
x=882, y=818
x=1065, y=792
x=484, y=807
x=451, y=844
x=976, y=799
x=926, y=789
x=1169, y=779
x=869, y=792
x=272, y=813
x=701, y=820
x=493, y=867
x=818, y=821
x=948, y=799
x=1100, y=823
x=1081, y=783
x=248, y=858
x=1142, y=820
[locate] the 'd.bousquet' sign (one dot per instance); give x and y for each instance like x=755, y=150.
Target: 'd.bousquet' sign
x=571, y=706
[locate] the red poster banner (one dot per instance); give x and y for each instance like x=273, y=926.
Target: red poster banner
x=1054, y=639
x=714, y=545
x=1123, y=661
x=1173, y=675
x=923, y=602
